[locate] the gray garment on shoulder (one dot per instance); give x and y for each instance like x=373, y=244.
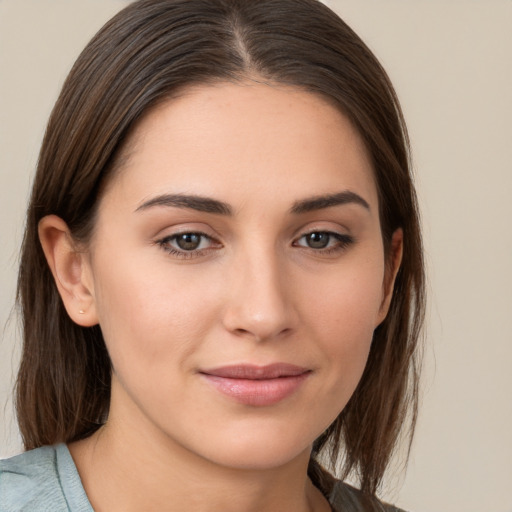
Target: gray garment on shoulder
x=345, y=498
x=42, y=480
x=46, y=480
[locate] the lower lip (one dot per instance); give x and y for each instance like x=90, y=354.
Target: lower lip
x=257, y=392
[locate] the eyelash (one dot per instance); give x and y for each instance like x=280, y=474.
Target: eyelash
x=343, y=242
x=182, y=253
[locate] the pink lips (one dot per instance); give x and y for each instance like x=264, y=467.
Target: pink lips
x=257, y=385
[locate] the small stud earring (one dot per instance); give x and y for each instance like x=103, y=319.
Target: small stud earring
x=82, y=312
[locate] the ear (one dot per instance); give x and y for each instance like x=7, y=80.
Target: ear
x=70, y=269
x=392, y=265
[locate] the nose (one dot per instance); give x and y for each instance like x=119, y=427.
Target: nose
x=259, y=304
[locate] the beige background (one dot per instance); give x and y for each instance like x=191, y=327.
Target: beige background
x=451, y=64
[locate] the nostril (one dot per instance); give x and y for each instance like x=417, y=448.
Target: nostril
x=241, y=332
x=260, y=334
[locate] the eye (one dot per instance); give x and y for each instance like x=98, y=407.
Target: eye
x=317, y=240
x=189, y=241
x=188, y=244
x=325, y=241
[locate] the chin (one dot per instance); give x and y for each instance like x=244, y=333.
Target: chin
x=259, y=451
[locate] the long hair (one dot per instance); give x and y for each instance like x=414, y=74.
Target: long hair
x=146, y=54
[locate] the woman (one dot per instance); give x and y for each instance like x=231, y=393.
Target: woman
x=221, y=279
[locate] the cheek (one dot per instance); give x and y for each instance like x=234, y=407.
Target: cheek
x=349, y=299
x=343, y=314
x=143, y=313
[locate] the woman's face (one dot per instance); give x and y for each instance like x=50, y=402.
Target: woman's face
x=237, y=273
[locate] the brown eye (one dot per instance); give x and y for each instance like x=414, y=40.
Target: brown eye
x=324, y=241
x=319, y=240
x=188, y=241
x=188, y=244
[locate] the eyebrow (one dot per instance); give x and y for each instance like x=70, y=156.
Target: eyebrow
x=326, y=201
x=209, y=205
x=199, y=203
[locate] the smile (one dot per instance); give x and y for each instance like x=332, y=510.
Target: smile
x=257, y=385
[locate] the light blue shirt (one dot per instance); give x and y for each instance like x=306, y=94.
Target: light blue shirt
x=42, y=480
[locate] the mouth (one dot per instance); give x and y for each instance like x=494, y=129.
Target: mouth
x=257, y=385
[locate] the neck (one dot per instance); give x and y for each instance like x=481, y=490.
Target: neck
x=127, y=469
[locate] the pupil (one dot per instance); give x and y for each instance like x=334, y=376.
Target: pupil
x=318, y=240
x=188, y=241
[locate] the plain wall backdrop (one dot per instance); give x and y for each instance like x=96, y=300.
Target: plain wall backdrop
x=451, y=63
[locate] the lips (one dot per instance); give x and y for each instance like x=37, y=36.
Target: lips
x=257, y=385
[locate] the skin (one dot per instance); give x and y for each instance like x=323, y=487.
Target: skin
x=254, y=292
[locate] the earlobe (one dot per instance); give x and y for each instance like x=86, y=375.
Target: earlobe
x=393, y=262
x=68, y=266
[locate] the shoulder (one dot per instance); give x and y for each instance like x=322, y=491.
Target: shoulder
x=346, y=498
x=30, y=481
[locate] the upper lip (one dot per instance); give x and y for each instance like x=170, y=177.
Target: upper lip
x=255, y=372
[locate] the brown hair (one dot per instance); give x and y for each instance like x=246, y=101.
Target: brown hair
x=143, y=56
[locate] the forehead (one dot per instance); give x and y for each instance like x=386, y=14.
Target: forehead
x=227, y=138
